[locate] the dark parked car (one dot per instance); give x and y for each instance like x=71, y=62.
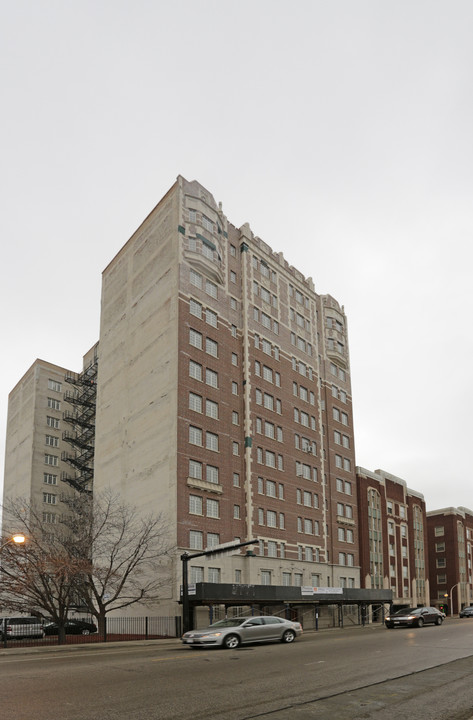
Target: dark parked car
x=467, y=612
x=414, y=617
x=72, y=627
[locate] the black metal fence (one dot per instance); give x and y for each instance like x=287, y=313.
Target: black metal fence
x=118, y=629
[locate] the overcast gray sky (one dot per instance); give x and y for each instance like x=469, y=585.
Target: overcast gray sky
x=340, y=130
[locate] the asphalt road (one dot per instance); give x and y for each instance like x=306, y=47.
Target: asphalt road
x=355, y=673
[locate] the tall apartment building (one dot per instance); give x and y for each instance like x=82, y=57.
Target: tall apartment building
x=450, y=537
x=34, y=444
x=224, y=399
x=50, y=435
x=393, y=537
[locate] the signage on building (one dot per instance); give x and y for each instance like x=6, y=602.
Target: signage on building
x=306, y=590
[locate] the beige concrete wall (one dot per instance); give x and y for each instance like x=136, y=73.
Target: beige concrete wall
x=27, y=429
x=137, y=376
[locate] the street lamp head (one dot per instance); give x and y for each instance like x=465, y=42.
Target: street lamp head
x=17, y=539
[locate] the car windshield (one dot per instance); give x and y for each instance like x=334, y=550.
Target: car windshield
x=407, y=611
x=229, y=622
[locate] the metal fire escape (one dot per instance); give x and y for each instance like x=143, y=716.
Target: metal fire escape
x=81, y=437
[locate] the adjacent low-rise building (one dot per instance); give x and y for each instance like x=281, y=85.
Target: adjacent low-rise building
x=450, y=538
x=393, y=538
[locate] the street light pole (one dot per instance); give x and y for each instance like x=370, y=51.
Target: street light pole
x=451, y=598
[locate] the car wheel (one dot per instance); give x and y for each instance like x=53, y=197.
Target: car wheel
x=231, y=642
x=288, y=636
x=389, y=627
x=85, y=632
x=420, y=623
x=439, y=621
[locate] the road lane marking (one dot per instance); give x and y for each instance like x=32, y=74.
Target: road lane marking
x=316, y=662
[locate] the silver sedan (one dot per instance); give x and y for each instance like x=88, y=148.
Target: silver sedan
x=232, y=632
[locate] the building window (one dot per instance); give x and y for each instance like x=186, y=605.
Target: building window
x=214, y=575
x=195, y=370
x=211, y=474
x=52, y=422
x=195, y=279
x=234, y=388
x=54, y=385
x=196, y=540
x=236, y=512
x=211, y=317
x=195, y=308
x=265, y=577
x=439, y=530
x=196, y=574
x=195, y=505
x=266, y=346
x=236, y=480
x=272, y=548
x=195, y=469
x=282, y=521
x=213, y=539
x=195, y=402
x=211, y=378
x=211, y=347
x=52, y=441
x=271, y=518
x=211, y=289
x=49, y=498
x=54, y=404
x=49, y=517
x=235, y=448
x=195, y=435
x=211, y=409
x=270, y=488
x=212, y=508
x=211, y=441
x=237, y=576
x=49, y=479
x=195, y=339
x=51, y=460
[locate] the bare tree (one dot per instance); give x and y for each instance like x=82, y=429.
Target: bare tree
x=128, y=553
x=103, y=555
x=41, y=576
